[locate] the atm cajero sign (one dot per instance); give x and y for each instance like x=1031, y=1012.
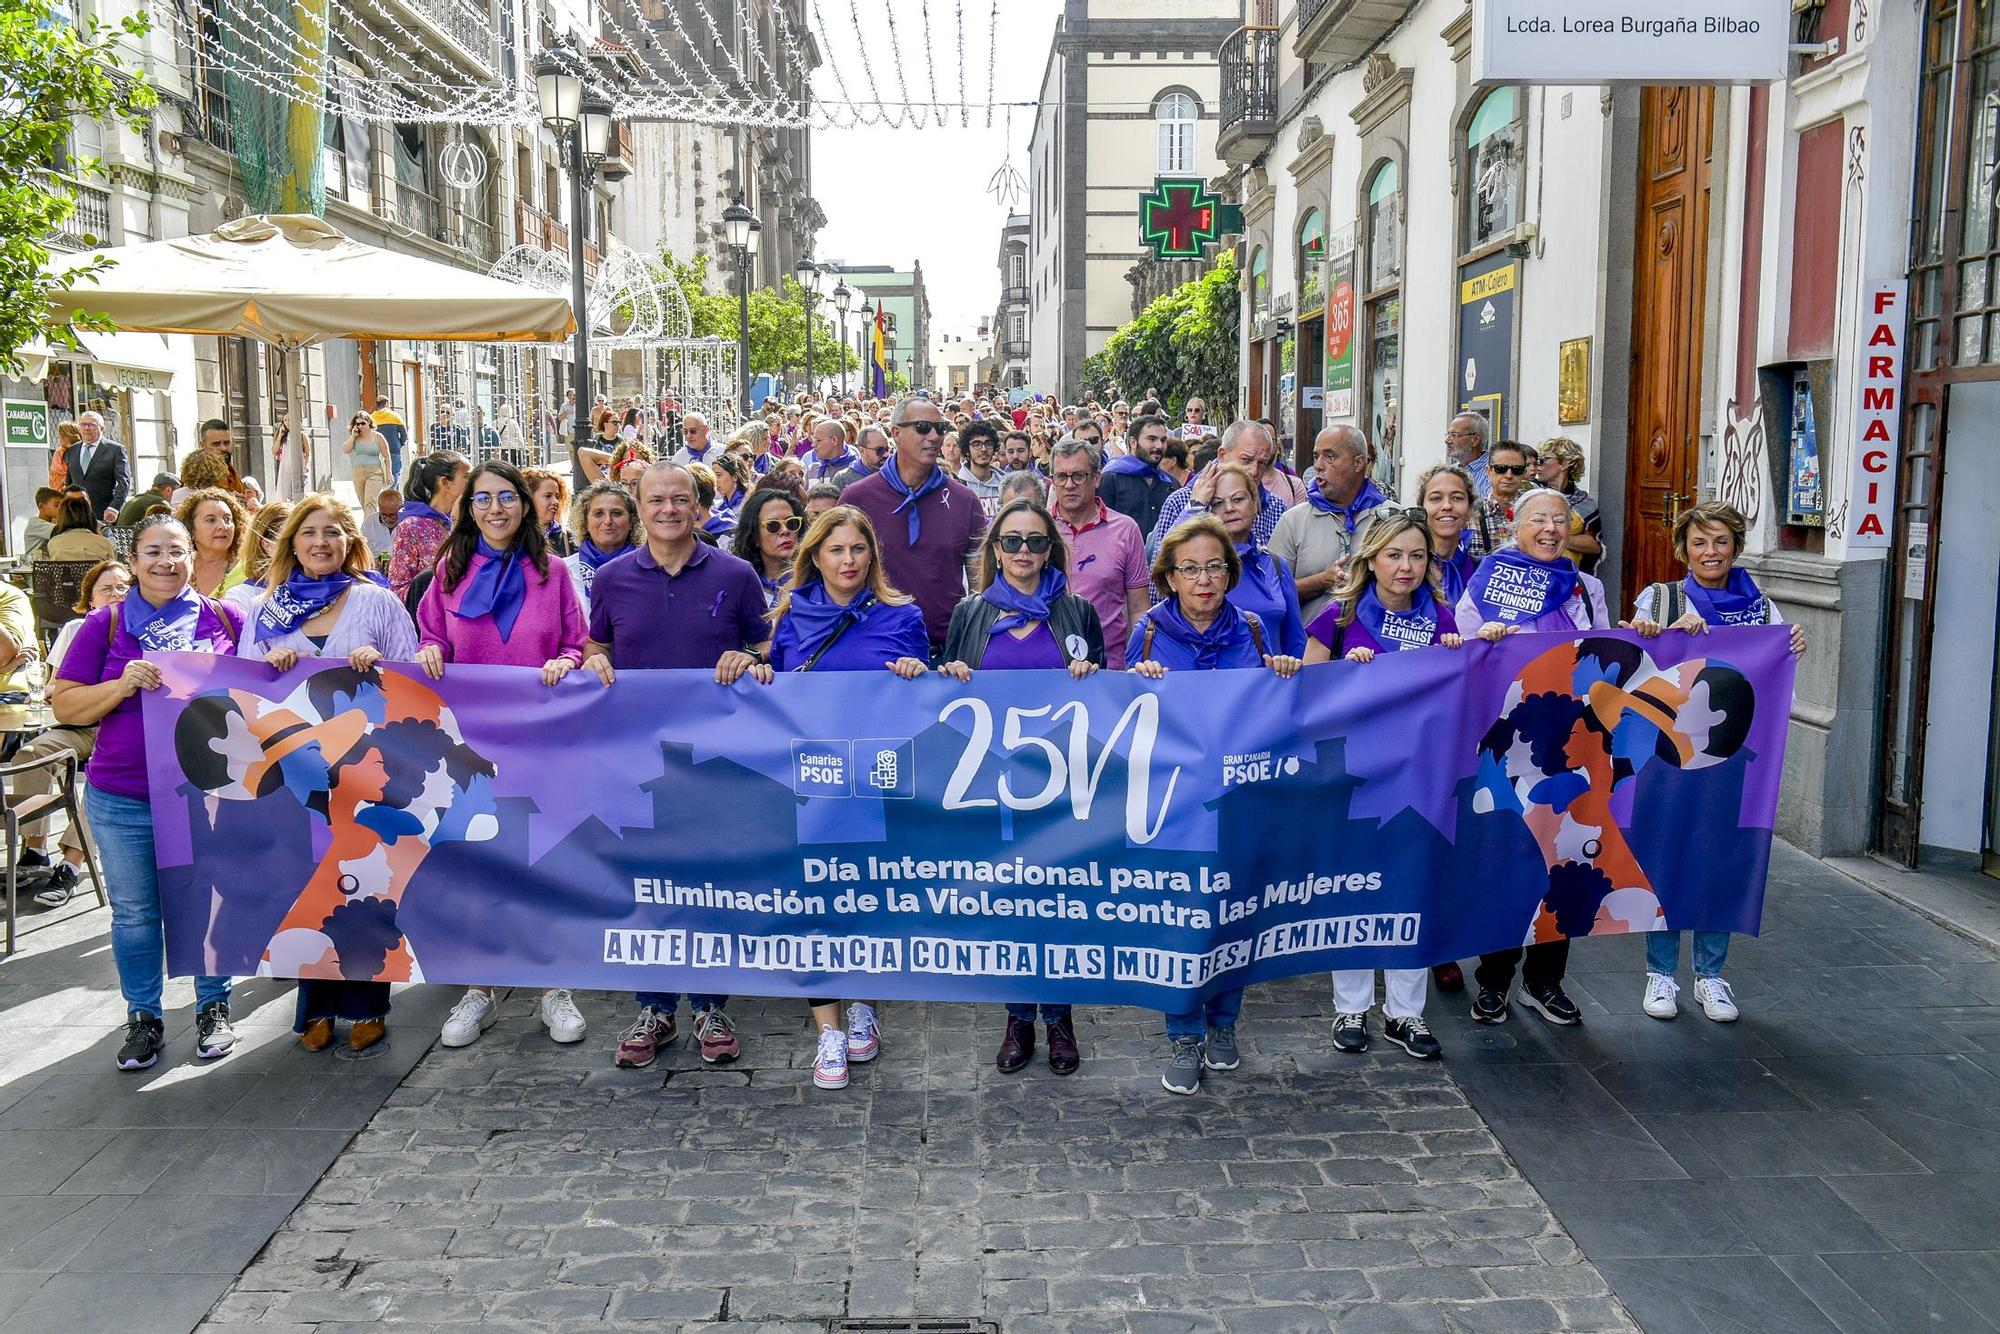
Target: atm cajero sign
x=1637, y=41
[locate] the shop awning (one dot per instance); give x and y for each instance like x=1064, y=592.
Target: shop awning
x=117, y=360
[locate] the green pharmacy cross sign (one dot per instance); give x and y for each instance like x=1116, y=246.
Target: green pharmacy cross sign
x=1179, y=217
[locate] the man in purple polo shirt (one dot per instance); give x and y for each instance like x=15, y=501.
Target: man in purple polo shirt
x=1107, y=556
x=675, y=603
x=929, y=525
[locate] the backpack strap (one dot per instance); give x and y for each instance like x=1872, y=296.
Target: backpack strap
x=228, y=626
x=1146, y=642
x=1257, y=636
x=1589, y=603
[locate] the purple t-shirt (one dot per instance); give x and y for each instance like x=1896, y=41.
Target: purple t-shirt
x=932, y=569
x=1034, y=651
x=1326, y=628
x=118, y=765
x=652, y=619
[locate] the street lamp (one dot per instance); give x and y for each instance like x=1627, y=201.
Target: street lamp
x=843, y=300
x=740, y=229
x=582, y=125
x=808, y=274
x=867, y=322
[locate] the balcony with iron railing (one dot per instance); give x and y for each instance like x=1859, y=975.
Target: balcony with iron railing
x=1248, y=105
x=417, y=210
x=1339, y=33
x=1013, y=349
x=89, y=226
x=461, y=23
x=1013, y=296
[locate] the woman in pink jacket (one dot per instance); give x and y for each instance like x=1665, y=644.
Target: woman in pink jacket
x=500, y=599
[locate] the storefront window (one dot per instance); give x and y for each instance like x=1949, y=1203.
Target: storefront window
x=1385, y=387
x=1385, y=226
x=1312, y=262
x=1492, y=190
x=1260, y=286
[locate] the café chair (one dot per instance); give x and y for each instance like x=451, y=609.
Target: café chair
x=30, y=811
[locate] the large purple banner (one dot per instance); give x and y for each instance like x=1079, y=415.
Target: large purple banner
x=1025, y=837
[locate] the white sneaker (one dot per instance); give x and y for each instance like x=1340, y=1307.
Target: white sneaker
x=473, y=1015
x=864, y=1037
x=1717, y=1001
x=560, y=1015
x=1660, y=993
x=830, y=1061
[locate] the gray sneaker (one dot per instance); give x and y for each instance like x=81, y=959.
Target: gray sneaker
x=1220, y=1052
x=213, y=1035
x=1183, y=1069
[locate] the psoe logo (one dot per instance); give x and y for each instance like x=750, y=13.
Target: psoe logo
x=1257, y=767
x=885, y=768
x=820, y=769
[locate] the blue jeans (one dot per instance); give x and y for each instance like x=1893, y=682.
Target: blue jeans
x=1663, y=952
x=665, y=1001
x=396, y=466
x=123, y=828
x=1221, y=1012
x=1051, y=1014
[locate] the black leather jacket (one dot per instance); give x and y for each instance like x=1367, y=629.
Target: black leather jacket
x=1069, y=616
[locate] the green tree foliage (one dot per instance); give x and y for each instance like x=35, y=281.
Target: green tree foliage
x=777, y=321
x=50, y=73
x=1184, y=343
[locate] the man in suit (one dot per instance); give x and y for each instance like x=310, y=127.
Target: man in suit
x=98, y=465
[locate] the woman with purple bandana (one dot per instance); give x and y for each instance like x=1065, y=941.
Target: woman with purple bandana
x=1267, y=588
x=607, y=518
x=1531, y=585
x=1717, y=592
x=1026, y=619
x=1389, y=602
x=99, y=682
x=437, y=480
x=1194, y=627
x=841, y=615
x=325, y=600
x=500, y=600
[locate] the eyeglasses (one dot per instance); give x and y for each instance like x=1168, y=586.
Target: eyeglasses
x=163, y=553
x=793, y=524
x=1507, y=469
x=1069, y=478
x=1201, y=574
x=486, y=500
x=929, y=428
x=1037, y=543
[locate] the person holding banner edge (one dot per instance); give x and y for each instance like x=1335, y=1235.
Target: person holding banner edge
x=1194, y=627
x=1389, y=601
x=841, y=615
x=323, y=601
x=99, y=682
x=1531, y=585
x=1024, y=618
x=1707, y=539
x=677, y=603
x=499, y=600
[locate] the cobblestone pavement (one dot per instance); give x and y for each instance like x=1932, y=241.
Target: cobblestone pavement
x=513, y=1181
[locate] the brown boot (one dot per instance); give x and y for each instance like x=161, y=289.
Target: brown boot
x=366, y=1033
x=318, y=1035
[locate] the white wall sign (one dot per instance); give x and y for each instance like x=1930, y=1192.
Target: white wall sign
x=1637, y=41
x=1871, y=480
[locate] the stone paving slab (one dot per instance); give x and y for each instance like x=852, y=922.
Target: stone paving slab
x=518, y=1183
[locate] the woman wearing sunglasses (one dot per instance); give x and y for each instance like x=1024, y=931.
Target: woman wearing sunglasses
x=498, y=600
x=1026, y=619
x=767, y=535
x=1195, y=628
x=841, y=615
x=608, y=519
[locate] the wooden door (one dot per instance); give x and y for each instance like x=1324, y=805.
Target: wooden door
x=1670, y=264
x=1257, y=379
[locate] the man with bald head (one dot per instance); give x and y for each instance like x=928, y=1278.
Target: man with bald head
x=929, y=525
x=1248, y=445
x=1318, y=536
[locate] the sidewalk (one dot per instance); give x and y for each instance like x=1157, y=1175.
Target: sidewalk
x=1832, y=1162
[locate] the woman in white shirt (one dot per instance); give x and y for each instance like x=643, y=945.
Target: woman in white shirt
x=325, y=601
